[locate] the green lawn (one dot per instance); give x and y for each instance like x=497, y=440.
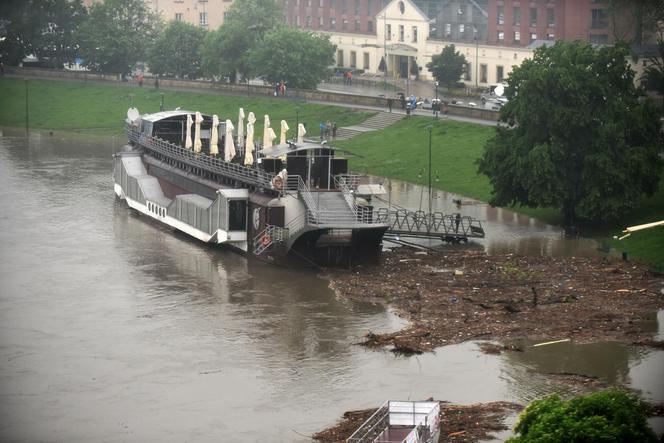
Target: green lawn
x=400, y=151
x=101, y=109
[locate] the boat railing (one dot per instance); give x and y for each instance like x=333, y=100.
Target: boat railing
x=372, y=428
x=235, y=171
x=344, y=183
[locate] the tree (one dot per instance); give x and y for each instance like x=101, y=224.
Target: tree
x=226, y=51
x=43, y=28
x=117, y=34
x=636, y=20
x=448, y=66
x=609, y=416
x=653, y=74
x=299, y=58
x=176, y=51
x=577, y=137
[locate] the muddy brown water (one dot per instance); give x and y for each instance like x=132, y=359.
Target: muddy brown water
x=114, y=328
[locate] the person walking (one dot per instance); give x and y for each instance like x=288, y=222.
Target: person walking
x=457, y=220
x=334, y=129
x=389, y=103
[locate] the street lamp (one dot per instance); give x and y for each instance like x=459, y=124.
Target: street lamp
x=435, y=105
x=430, y=128
x=477, y=48
x=385, y=52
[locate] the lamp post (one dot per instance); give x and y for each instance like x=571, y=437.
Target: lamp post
x=430, y=128
x=477, y=48
x=385, y=52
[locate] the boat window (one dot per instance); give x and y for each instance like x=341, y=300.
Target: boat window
x=237, y=215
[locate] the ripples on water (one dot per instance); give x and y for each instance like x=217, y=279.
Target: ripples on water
x=115, y=328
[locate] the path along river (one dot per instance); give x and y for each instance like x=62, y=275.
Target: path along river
x=113, y=328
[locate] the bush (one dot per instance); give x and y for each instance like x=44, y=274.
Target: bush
x=608, y=416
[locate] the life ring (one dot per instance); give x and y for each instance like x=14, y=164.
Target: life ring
x=278, y=183
x=265, y=240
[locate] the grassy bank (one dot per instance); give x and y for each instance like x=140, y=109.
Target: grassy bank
x=101, y=109
x=400, y=152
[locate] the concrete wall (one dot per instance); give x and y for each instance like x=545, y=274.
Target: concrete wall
x=237, y=89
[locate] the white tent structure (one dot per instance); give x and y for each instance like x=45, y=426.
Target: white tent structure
x=187, y=140
x=214, y=137
x=229, y=145
x=197, y=132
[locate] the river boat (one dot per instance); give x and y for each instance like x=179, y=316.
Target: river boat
x=295, y=205
x=401, y=422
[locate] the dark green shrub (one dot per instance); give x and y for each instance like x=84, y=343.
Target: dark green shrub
x=608, y=416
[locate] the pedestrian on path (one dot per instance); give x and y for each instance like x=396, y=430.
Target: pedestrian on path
x=334, y=129
x=389, y=103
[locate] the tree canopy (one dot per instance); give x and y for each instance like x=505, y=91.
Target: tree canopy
x=225, y=51
x=653, y=73
x=175, y=53
x=608, y=416
x=448, y=66
x=299, y=58
x=577, y=136
x=43, y=28
x=117, y=34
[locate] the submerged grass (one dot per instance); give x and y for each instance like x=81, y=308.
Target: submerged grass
x=400, y=151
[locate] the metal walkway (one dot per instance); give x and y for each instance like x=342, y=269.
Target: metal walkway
x=418, y=224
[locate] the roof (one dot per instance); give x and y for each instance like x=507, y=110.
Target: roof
x=288, y=147
x=163, y=115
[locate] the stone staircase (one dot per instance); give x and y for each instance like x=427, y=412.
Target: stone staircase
x=379, y=121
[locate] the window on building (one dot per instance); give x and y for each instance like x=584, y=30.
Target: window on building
x=501, y=36
x=550, y=36
x=369, y=5
x=370, y=26
x=448, y=29
x=517, y=36
x=401, y=33
x=517, y=16
x=297, y=20
x=297, y=2
x=340, y=57
x=202, y=19
x=320, y=22
x=357, y=25
x=601, y=39
x=550, y=17
x=599, y=19
x=320, y=3
x=307, y=22
x=357, y=7
x=178, y=16
x=365, y=65
x=533, y=17
x=467, y=72
x=533, y=37
x=333, y=4
x=333, y=23
x=388, y=35
x=414, y=34
x=308, y=2
x=344, y=7
x=501, y=15
x=344, y=24
x=462, y=29
x=483, y=73
x=353, y=59
x=499, y=74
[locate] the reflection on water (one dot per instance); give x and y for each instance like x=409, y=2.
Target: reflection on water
x=115, y=328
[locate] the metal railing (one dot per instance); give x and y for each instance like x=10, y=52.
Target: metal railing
x=235, y=171
x=371, y=428
x=419, y=222
x=344, y=183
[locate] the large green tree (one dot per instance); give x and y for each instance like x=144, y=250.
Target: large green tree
x=43, y=28
x=448, y=66
x=117, y=34
x=609, y=416
x=225, y=51
x=301, y=59
x=176, y=51
x=577, y=137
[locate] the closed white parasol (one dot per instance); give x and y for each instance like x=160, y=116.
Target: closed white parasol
x=301, y=132
x=214, y=137
x=229, y=146
x=249, y=147
x=240, y=128
x=197, y=132
x=266, y=135
x=284, y=130
x=187, y=140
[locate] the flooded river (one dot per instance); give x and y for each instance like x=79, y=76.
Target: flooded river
x=116, y=329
